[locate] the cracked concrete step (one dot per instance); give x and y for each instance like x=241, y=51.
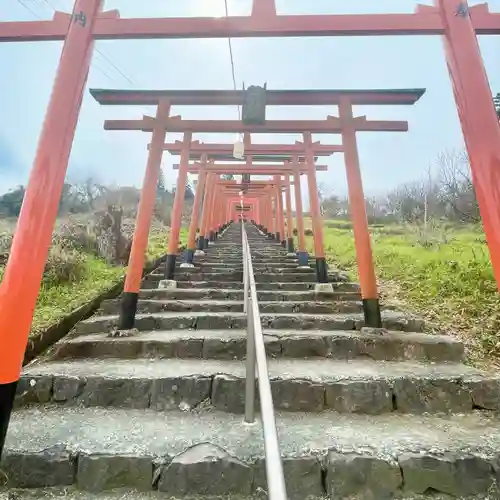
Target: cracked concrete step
x=182, y=454
x=231, y=344
x=391, y=320
x=112, y=306
x=220, y=294
x=354, y=386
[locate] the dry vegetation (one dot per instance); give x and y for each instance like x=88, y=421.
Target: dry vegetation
x=90, y=244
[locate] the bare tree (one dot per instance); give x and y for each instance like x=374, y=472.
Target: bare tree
x=456, y=186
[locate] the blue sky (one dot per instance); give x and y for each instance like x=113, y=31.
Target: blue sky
x=387, y=159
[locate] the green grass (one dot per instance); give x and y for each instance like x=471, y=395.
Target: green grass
x=449, y=280
x=56, y=301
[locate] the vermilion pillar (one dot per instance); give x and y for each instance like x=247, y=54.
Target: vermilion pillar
x=289, y=217
x=317, y=220
x=23, y=272
x=477, y=115
x=211, y=212
x=143, y=222
x=200, y=187
x=357, y=207
x=279, y=208
x=180, y=191
x=203, y=237
x=302, y=255
x=274, y=215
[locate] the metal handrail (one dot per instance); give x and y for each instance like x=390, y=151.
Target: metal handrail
x=256, y=357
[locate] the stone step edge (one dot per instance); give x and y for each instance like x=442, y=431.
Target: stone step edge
x=226, y=392
x=391, y=320
x=377, y=345
x=208, y=469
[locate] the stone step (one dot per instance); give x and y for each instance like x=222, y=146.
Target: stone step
x=231, y=344
x=353, y=386
x=302, y=276
x=339, y=456
x=201, y=285
x=290, y=286
x=202, y=320
x=218, y=294
x=145, y=306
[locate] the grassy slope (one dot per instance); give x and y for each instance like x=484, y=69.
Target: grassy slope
x=57, y=300
x=450, y=283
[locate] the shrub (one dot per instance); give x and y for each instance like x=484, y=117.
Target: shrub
x=77, y=237
x=5, y=244
x=309, y=232
x=63, y=266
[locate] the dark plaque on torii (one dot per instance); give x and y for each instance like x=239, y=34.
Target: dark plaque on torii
x=254, y=105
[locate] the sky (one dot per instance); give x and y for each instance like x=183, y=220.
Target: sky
x=387, y=159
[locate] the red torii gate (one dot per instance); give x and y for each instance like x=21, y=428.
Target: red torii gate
x=454, y=19
x=259, y=169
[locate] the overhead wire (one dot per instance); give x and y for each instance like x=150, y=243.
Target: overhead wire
x=231, y=56
x=106, y=58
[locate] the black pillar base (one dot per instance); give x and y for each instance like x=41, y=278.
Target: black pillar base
x=278, y=236
x=371, y=310
x=211, y=236
x=321, y=270
x=7, y=395
x=283, y=243
x=128, y=309
x=170, y=267
x=189, y=256
x=303, y=258
x=205, y=242
x=201, y=242
x=290, y=245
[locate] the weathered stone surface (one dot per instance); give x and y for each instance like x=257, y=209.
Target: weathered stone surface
x=431, y=395
x=457, y=476
x=104, y=472
x=298, y=395
x=205, y=469
x=35, y=389
x=362, y=477
x=305, y=347
x=228, y=393
x=303, y=477
x=485, y=393
x=67, y=389
x=51, y=467
x=363, y=396
x=183, y=392
x=102, y=348
x=220, y=348
x=130, y=393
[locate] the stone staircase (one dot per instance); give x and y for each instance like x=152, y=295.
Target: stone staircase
x=361, y=413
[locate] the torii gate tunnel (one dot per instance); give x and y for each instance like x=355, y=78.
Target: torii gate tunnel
x=454, y=20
